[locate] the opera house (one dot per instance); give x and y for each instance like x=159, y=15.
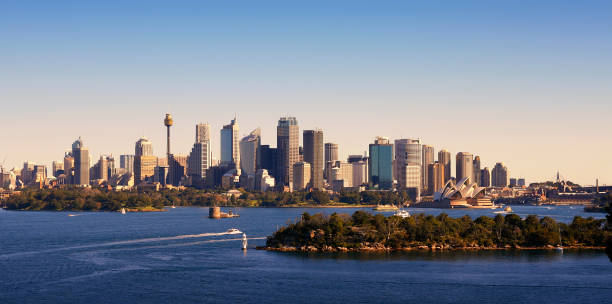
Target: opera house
x=464, y=194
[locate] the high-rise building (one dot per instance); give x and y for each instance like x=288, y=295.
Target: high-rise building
x=144, y=161
x=230, y=145
x=435, y=176
x=68, y=168
x=444, y=158
x=263, y=181
x=177, y=169
x=268, y=159
x=331, y=156
x=126, y=162
x=200, y=157
x=250, y=147
x=360, y=173
x=407, y=152
x=412, y=175
x=476, y=170
x=485, y=177
x=57, y=167
x=380, y=164
x=428, y=158
x=301, y=175
x=513, y=182
x=499, y=175
x=521, y=182
x=287, y=145
x=313, y=154
x=81, y=163
x=465, y=166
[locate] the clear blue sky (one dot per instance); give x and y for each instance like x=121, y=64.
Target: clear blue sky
x=524, y=83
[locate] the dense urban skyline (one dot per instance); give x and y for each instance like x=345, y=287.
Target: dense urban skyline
x=530, y=89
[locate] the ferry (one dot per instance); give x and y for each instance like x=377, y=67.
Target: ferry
x=385, y=208
x=402, y=213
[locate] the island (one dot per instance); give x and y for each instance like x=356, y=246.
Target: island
x=364, y=231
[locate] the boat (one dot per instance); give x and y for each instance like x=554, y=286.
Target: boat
x=559, y=247
x=402, y=213
x=385, y=208
x=233, y=231
x=173, y=206
x=508, y=209
x=122, y=210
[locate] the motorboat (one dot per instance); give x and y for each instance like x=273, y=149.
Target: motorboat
x=233, y=231
x=402, y=213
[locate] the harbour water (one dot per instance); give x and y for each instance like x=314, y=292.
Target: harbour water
x=178, y=257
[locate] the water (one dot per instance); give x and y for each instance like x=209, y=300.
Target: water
x=177, y=257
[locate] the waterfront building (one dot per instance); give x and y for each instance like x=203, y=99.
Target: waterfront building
x=250, y=152
x=408, y=152
x=444, y=158
x=380, y=166
x=126, y=162
x=313, y=154
x=287, y=153
x=230, y=144
x=428, y=158
x=465, y=165
x=476, y=169
x=144, y=160
x=485, y=177
x=81, y=163
x=301, y=175
x=331, y=156
x=435, y=176
x=499, y=175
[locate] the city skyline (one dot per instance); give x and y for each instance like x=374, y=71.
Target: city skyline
x=527, y=86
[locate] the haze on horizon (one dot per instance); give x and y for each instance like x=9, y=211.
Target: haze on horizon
x=526, y=84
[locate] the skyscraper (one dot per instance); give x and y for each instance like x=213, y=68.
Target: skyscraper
x=144, y=161
x=57, y=168
x=435, y=176
x=499, y=175
x=69, y=168
x=444, y=158
x=331, y=156
x=230, y=145
x=313, y=154
x=464, y=166
x=407, y=152
x=485, y=177
x=476, y=170
x=268, y=159
x=301, y=175
x=81, y=163
x=287, y=143
x=380, y=164
x=428, y=158
x=200, y=158
x=126, y=162
x=250, y=152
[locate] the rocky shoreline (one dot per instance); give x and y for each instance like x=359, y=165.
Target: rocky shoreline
x=382, y=248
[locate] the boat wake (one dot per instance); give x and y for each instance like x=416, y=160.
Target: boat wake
x=119, y=243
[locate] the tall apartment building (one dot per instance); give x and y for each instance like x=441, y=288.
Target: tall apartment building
x=313, y=154
x=476, y=170
x=331, y=156
x=200, y=158
x=126, y=162
x=499, y=175
x=287, y=149
x=485, y=177
x=435, y=176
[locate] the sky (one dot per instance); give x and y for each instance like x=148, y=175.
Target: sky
x=527, y=84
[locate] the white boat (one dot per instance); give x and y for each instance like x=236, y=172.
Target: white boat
x=122, y=210
x=173, y=207
x=508, y=209
x=560, y=245
x=402, y=213
x=233, y=231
